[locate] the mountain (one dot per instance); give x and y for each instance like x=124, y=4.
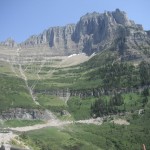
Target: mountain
x=94, y=32
x=56, y=39
x=92, y=69
x=9, y=43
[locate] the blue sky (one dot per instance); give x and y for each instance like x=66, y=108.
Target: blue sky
x=20, y=19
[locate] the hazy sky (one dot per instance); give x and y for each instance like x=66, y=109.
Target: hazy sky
x=20, y=19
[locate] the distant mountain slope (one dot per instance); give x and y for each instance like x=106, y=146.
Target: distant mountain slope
x=93, y=33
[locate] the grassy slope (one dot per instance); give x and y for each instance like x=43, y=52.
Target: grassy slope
x=20, y=123
x=82, y=137
x=84, y=76
x=13, y=91
x=107, y=136
x=60, y=139
x=92, y=137
x=89, y=75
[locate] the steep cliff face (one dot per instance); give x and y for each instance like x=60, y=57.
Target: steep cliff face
x=96, y=32
x=54, y=36
x=93, y=33
x=57, y=39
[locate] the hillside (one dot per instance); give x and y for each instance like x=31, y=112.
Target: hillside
x=97, y=68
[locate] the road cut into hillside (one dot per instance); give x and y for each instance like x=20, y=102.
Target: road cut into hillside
x=57, y=123
x=7, y=137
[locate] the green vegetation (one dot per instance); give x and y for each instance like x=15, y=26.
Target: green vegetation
x=117, y=75
x=52, y=103
x=110, y=75
x=125, y=90
x=144, y=69
x=80, y=108
x=83, y=137
x=105, y=57
x=114, y=75
x=60, y=139
x=13, y=90
x=14, y=93
x=48, y=100
x=101, y=107
x=20, y=123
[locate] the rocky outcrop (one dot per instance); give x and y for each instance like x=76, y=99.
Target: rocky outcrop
x=25, y=114
x=94, y=92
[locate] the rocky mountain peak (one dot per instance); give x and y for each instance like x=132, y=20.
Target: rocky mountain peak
x=93, y=33
x=121, y=18
x=9, y=43
x=115, y=17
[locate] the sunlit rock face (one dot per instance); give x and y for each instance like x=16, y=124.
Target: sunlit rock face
x=94, y=32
